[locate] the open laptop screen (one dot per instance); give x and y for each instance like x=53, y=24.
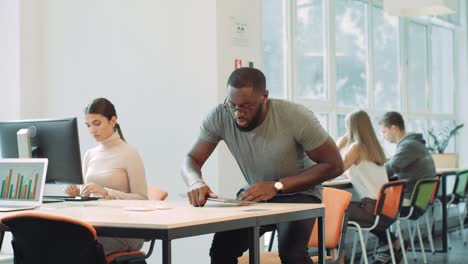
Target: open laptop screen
x=22, y=181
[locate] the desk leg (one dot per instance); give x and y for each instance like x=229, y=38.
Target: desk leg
x=2, y=234
x=321, y=240
x=444, y=214
x=254, y=250
x=167, y=248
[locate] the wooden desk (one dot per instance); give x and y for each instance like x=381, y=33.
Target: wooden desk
x=338, y=183
x=110, y=218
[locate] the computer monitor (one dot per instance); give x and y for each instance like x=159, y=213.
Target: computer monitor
x=55, y=139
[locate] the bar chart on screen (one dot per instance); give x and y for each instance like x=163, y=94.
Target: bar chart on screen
x=19, y=183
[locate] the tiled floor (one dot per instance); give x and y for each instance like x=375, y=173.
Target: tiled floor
x=457, y=254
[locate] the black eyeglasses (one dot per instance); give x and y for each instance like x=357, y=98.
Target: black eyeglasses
x=232, y=108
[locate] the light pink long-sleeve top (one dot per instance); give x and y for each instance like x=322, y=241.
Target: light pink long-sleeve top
x=117, y=167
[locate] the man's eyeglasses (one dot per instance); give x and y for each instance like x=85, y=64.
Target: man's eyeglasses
x=232, y=108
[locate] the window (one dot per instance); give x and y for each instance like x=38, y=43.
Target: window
x=274, y=48
x=340, y=125
x=417, y=126
x=309, y=55
x=323, y=119
x=336, y=56
x=417, y=68
x=442, y=71
x=385, y=60
x=351, y=53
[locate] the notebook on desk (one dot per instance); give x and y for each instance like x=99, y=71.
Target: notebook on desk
x=22, y=183
x=224, y=200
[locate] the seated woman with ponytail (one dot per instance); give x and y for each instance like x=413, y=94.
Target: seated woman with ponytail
x=113, y=169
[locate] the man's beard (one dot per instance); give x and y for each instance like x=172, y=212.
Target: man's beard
x=253, y=123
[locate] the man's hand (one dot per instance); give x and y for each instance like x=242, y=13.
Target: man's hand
x=197, y=197
x=260, y=191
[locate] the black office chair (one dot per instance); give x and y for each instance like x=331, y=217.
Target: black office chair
x=53, y=239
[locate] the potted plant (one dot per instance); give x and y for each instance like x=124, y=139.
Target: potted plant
x=438, y=143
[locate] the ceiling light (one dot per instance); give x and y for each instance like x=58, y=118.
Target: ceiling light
x=420, y=7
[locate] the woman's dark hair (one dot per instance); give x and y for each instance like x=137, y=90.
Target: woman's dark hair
x=104, y=107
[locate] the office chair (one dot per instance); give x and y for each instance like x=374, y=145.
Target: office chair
x=421, y=197
x=459, y=195
x=388, y=205
x=40, y=237
x=156, y=193
x=429, y=213
x=336, y=202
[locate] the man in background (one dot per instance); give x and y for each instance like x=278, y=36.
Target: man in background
x=412, y=160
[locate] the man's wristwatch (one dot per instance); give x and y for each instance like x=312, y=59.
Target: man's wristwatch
x=278, y=186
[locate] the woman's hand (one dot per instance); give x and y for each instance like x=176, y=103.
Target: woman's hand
x=92, y=188
x=72, y=190
x=341, y=142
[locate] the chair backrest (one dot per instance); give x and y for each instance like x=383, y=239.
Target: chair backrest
x=336, y=202
x=390, y=199
x=46, y=238
x=423, y=193
x=461, y=184
x=156, y=193
x=435, y=190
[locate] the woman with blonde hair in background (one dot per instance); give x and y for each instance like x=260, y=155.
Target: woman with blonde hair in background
x=364, y=159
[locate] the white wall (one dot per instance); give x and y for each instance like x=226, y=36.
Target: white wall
x=31, y=62
x=9, y=59
x=164, y=65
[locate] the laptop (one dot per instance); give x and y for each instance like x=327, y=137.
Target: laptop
x=22, y=183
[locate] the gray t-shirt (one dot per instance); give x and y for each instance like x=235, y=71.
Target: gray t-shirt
x=273, y=150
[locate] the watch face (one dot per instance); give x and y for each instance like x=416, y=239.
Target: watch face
x=278, y=186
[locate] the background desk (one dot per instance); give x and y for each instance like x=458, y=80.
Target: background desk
x=338, y=183
x=182, y=220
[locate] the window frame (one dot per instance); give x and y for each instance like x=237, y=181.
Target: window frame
x=329, y=104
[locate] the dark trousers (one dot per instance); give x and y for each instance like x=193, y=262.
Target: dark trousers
x=362, y=212
x=293, y=237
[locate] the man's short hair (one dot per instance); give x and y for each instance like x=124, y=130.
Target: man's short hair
x=247, y=77
x=392, y=119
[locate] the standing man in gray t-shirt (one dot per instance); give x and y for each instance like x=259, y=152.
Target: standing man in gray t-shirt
x=282, y=151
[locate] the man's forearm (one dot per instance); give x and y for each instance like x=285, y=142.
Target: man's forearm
x=191, y=173
x=312, y=176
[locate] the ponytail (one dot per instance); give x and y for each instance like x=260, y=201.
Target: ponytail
x=117, y=127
